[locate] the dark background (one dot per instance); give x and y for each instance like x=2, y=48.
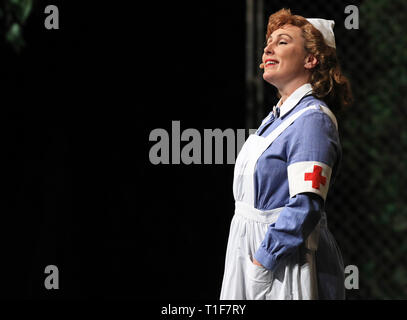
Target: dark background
x=79, y=190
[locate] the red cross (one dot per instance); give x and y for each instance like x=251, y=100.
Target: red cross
x=316, y=177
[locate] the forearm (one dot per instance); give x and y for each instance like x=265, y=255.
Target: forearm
x=295, y=223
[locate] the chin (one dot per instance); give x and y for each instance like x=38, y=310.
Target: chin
x=270, y=78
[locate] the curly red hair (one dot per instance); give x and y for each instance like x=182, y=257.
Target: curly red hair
x=327, y=81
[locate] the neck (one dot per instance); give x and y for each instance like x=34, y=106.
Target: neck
x=288, y=88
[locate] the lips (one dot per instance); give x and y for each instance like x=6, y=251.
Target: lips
x=270, y=62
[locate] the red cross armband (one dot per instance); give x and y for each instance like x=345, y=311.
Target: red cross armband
x=309, y=176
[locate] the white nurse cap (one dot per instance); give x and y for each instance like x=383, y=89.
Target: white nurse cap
x=326, y=27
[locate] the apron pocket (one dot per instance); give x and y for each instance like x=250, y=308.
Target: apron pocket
x=259, y=280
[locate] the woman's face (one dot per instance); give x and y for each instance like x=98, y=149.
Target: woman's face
x=284, y=57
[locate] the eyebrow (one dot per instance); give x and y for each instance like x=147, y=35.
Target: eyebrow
x=279, y=35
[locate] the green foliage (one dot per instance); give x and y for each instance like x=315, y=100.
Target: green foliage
x=13, y=16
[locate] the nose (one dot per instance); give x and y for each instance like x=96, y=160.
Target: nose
x=268, y=49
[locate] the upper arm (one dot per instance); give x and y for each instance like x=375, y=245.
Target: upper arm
x=312, y=153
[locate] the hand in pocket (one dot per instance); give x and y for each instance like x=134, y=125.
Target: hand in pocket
x=259, y=280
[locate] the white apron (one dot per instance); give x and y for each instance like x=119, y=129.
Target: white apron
x=242, y=279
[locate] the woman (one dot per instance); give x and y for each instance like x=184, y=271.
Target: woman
x=279, y=245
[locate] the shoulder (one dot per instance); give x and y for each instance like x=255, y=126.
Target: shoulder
x=313, y=136
x=317, y=117
x=314, y=123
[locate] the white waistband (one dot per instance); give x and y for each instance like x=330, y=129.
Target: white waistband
x=251, y=213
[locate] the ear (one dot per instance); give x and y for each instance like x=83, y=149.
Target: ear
x=310, y=62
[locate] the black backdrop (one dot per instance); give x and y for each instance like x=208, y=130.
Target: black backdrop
x=79, y=189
